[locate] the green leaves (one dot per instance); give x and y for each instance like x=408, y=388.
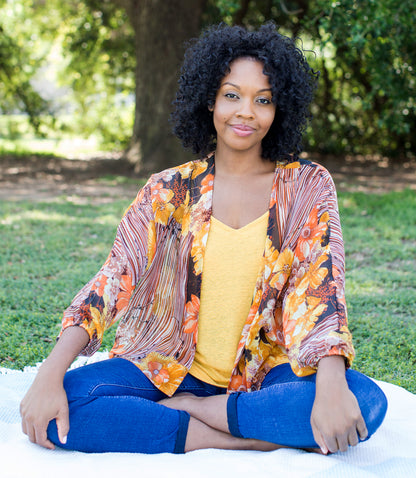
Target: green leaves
x=372, y=50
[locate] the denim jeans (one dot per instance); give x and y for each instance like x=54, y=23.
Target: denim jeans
x=113, y=408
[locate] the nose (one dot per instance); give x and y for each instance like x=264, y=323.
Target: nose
x=246, y=109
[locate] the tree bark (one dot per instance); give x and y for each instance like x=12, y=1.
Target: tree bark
x=161, y=27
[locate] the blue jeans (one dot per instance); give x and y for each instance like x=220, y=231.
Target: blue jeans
x=113, y=408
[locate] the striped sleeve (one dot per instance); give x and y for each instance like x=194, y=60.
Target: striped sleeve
x=314, y=309
x=105, y=298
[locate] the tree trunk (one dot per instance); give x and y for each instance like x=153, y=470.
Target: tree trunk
x=161, y=27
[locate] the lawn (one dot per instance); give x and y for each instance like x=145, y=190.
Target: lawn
x=49, y=250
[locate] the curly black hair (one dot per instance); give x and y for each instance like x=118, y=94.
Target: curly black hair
x=207, y=61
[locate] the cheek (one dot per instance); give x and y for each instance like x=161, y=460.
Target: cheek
x=268, y=120
x=221, y=115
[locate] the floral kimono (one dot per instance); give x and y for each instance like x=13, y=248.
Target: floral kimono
x=151, y=281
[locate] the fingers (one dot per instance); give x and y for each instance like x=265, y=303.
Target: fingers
x=37, y=434
x=42, y=438
x=353, y=438
x=332, y=443
x=62, y=424
x=362, y=428
x=319, y=439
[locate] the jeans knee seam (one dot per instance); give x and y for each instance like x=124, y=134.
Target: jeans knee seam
x=100, y=385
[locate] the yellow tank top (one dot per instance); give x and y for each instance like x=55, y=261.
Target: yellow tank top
x=231, y=265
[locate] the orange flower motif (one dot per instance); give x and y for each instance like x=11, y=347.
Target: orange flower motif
x=157, y=373
x=124, y=295
x=164, y=372
x=181, y=214
x=198, y=168
x=99, y=285
x=161, y=194
x=198, y=247
x=236, y=384
x=314, y=275
x=207, y=183
x=312, y=232
x=282, y=269
x=270, y=257
x=162, y=211
x=97, y=323
x=300, y=316
x=191, y=315
x=185, y=170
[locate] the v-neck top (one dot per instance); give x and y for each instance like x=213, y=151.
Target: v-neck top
x=151, y=281
x=233, y=258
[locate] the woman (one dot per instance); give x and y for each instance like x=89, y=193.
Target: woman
x=259, y=341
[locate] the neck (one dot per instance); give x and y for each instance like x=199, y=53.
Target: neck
x=241, y=164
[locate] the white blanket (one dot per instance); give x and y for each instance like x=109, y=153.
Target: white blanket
x=390, y=453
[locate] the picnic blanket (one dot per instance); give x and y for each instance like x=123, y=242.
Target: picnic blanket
x=390, y=453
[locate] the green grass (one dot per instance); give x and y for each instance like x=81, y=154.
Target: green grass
x=49, y=250
x=380, y=241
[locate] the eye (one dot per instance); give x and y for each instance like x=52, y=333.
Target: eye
x=231, y=96
x=264, y=101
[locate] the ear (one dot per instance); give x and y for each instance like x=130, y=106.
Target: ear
x=211, y=108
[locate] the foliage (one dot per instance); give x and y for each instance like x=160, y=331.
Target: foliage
x=73, y=60
x=367, y=58
x=49, y=250
x=98, y=42
x=21, y=56
x=364, y=51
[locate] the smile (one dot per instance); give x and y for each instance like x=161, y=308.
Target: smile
x=242, y=129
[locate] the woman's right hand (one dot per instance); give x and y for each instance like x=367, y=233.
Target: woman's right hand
x=45, y=400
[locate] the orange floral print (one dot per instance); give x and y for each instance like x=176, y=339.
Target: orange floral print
x=160, y=194
x=300, y=280
x=125, y=293
x=314, y=275
x=191, y=315
x=312, y=232
x=282, y=269
x=300, y=316
x=163, y=211
x=198, y=248
x=199, y=167
x=163, y=372
x=99, y=285
x=207, y=183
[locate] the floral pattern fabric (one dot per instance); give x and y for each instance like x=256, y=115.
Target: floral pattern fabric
x=151, y=281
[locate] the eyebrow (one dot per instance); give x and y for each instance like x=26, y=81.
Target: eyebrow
x=236, y=86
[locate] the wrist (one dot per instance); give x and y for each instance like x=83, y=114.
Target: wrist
x=51, y=370
x=331, y=370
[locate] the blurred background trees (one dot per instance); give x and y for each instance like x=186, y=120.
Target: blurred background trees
x=108, y=69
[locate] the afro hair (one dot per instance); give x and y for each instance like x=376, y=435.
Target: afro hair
x=207, y=61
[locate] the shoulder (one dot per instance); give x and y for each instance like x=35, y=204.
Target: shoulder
x=183, y=172
x=307, y=173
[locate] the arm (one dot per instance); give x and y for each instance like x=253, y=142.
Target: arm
x=46, y=398
x=314, y=311
x=336, y=417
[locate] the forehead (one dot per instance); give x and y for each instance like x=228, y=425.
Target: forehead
x=246, y=70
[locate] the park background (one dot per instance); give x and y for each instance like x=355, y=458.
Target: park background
x=85, y=94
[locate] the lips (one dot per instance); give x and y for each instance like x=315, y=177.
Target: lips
x=242, y=129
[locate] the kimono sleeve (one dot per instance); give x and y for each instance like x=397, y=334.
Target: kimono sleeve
x=314, y=308
x=104, y=299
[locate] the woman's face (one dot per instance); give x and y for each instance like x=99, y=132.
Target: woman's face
x=243, y=110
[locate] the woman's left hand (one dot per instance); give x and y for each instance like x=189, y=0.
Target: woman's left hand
x=336, y=416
